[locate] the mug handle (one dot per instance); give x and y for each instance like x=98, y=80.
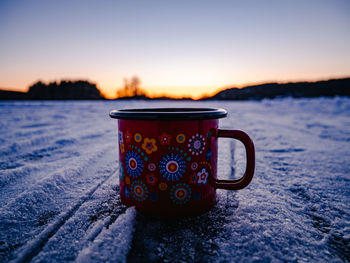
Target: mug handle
x=250, y=153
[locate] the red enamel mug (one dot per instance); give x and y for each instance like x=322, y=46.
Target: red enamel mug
x=168, y=159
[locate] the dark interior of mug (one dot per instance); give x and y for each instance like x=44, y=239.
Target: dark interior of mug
x=169, y=114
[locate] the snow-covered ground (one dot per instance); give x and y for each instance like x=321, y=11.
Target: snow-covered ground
x=59, y=187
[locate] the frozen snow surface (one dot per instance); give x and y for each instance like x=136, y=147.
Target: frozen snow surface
x=59, y=187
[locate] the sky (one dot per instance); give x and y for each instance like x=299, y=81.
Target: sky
x=177, y=48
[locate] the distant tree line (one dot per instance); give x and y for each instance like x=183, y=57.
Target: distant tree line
x=64, y=90
x=84, y=90
x=328, y=88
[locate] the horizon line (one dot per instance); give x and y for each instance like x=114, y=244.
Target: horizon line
x=184, y=96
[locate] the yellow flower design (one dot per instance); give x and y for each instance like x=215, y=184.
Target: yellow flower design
x=149, y=145
x=163, y=186
x=122, y=148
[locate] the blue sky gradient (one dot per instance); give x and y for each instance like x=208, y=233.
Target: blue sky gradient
x=175, y=47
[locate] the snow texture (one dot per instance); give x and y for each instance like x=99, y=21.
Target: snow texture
x=113, y=244
x=59, y=186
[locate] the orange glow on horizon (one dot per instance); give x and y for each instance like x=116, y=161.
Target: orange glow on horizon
x=197, y=92
x=109, y=91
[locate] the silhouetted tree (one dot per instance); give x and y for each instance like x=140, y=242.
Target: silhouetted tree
x=131, y=88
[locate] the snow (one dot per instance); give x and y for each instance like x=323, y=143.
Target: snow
x=59, y=187
x=113, y=244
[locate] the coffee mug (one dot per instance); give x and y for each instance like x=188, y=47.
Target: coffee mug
x=168, y=159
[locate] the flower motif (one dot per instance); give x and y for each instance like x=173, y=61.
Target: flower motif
x=139, y=191
x=180, y=138
x=209, y=134
x=133, y=164
x=194, y=166
x=172, y=166
x=127, y=180
x=202, y=176
x=208, y=154
x=121, y=172
x=180, y=193
x=121, y=137
x=152, y=167
x=128, y=137
x=193, y=179
x=164, y=139
x=163, y=186
x=126, y=192
x=151, y=179
x=196, y=144
x=137, y=137
x=122, y=148
x=149, y=145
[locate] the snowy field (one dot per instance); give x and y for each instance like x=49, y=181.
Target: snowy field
x=59, y=187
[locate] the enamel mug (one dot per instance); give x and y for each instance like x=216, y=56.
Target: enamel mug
x=168, y=159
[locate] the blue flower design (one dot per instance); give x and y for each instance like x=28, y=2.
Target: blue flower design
x=208, y=154
x=121, y=172
x=126, y=192
x=133, y=164
x=172, y=166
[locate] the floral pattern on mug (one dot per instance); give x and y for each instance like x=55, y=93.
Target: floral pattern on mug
x=139, y=191
x=151, y=179
x=152, y=167
x=122, y=148
x=196, y=144
x=137, y=137
x=172, y=166
x=133, y=164
x=202, y=176
x=128, y=137
x=208, y=154
x=121, y=137
x=164, y=139
x=162, y=186
x=180, y=193
x=180, y=138
x=121, y=172
x=194, y=166
x=193, y=179
x=149, y=145
x=127, y=180
x=209, y=134
x=126, y=192
x=207, y=164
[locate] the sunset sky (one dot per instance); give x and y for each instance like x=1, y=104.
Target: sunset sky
x=179, y=48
